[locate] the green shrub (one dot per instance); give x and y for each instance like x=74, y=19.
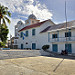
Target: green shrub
x=2, y=44
x=45, y=47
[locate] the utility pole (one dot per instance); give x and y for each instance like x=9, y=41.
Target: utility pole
x=66, y=25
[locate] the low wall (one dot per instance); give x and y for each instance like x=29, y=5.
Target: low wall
x=5, y=48
x=44, y=53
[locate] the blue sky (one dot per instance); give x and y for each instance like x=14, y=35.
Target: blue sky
x=58, y=8
x=43, y=10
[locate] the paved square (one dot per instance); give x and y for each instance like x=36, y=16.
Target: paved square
x=10, y=54
x=39, y=65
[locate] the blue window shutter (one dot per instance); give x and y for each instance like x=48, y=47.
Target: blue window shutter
x=26, y=33
x=23, y=38
x=33, y=31
x=21, y=34
x=69, y=34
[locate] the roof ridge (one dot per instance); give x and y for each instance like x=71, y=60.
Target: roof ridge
x=59, y=26
x=33, y=25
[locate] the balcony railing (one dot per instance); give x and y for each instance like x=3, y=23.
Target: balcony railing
x=62, y=39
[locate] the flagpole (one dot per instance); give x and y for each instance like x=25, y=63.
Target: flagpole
x=66, y=23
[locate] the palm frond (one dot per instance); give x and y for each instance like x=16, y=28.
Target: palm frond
x=7, y=19
x=9, y=14
x=6, y=8
x=4, y=23
x=4, y=13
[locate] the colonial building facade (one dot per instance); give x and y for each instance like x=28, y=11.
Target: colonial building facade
x=61, y=38
x=34, y=34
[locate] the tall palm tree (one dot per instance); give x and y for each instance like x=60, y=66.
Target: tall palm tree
x=4, y=14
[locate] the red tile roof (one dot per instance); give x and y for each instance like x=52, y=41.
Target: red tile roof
x=33, y=25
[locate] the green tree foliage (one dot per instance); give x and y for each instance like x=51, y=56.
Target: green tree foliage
x=45, y=47
x=2, y=44
x=4, y=14
x=4, y=32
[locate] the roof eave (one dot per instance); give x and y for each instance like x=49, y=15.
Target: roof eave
x=61, y=29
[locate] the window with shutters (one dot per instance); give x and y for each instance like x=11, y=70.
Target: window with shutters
x=67, y=34
x=33, y=32
x=54, y=36
x=21, y=34
x=26, y=33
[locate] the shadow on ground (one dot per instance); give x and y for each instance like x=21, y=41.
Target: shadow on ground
x=63, y=56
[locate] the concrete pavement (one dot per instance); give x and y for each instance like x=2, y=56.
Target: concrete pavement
x=9, y=54
x=30, y=62
x=39, y=65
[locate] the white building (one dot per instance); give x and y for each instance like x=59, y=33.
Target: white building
x=39, y=33
x=60, y=40
x=18, y=27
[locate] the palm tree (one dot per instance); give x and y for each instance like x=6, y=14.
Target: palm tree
x=4, y=14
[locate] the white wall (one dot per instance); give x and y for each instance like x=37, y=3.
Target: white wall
x=45, y=25
x=61, y=45
x=73, y=47
x=73, y=32
x=40, y=38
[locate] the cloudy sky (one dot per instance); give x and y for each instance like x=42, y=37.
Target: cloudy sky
x=42, y=9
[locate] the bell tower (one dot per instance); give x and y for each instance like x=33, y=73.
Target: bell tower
x=31, y=19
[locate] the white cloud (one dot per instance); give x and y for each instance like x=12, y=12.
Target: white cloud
x=25, y=7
